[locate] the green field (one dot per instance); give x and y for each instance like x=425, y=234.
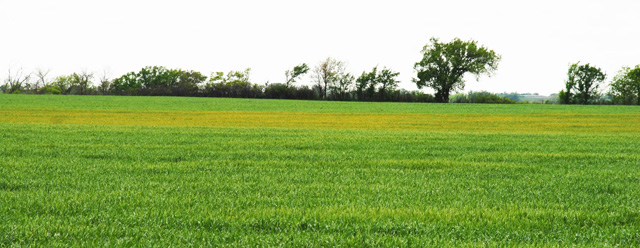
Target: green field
x=163, y=171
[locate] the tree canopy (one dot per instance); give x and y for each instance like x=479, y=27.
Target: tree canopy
x=444, y=65
x=625, y=87
x=157, y=81
x=293, y=75
x=584, y=80
x=381, y=80
x=326, y=74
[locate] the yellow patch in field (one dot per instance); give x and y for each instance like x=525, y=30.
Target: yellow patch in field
x=521, y=123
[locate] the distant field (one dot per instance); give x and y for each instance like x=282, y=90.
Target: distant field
x=163, y=171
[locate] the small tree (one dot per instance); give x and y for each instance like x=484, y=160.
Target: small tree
x=444, y=65
x=63, y=84
x=326, y=74
x=105, y=83
x=387, y=81
x=292, y=75
x=341, y=89
x=366, y=84
x=188, y=83
x=585, y=81
x=376, y=81
x=234, y=84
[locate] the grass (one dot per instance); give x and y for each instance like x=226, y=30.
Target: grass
x=144, y=171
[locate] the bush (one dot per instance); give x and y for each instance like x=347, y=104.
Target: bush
x=278, y=91
x=51, y=90
x=479, y=97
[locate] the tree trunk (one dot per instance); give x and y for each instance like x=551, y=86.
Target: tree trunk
x=442, y=96
x=324, y=90
x=446, y=96
x=587, y=96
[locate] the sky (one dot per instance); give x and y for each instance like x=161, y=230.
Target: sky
x=537, y=40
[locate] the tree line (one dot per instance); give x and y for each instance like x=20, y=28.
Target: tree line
x=331, y=82
x=442, y=69
x=585, y=83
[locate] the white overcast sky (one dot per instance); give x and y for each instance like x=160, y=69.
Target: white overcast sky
x=537, y=39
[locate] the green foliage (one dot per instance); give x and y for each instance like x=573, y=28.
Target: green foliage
x=51, y=90
x=444, y=65
x=188, y=82
x=564, y=97
x=127, y=84
x=634, y=76
x=366, y=84
x=414, y=96
x=584, y=80
x=234, y=84
x=342, y=87
x=376, y=83
x=282, y=91
x=514, y=96
x=387, y=81
x=278, y=91
x=625, y=87
x=64, y=83
x=479, y=97
x=158, y=81
x=293, y=75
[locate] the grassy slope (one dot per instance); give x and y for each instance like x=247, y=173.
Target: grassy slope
x=143, y=184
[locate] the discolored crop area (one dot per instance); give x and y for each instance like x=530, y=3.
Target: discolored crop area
x=137, y=171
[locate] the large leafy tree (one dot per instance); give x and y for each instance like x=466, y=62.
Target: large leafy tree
x=584, y=80
x=625, y=87
x=444, y=65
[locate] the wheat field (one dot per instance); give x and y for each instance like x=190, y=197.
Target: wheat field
x=169, y=171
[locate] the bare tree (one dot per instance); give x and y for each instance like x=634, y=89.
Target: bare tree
x=326, y=74
x=105, y=83
x=41, y=78
x=82, y=80
x=15, y=81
